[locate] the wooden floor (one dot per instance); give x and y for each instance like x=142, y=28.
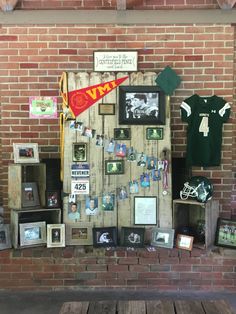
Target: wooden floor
x=148, y=307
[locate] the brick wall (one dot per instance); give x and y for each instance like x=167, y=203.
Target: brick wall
x=32, y=59
x=72, y=267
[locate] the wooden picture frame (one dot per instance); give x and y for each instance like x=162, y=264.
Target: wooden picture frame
x=122, y=134
x=79, y=233
x=113, y=167
x=141, y=105
x=105, y=237
x=163, y=237
x=5, y=237
x=30, y=194
x=53, y=199
x=115, y=61
x=33, y=233
x=226, y=233
x=106, y=109
x=145, y=210
x=154, y=134
x=25, y=153
x=184, y=242
x=79, y=152
x=56, y=235
x=132, y=236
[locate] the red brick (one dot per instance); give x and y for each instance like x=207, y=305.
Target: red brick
x=117, y=268
x=128, y=260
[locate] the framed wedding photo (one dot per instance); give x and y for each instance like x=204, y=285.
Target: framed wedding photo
x=145, y=210
x=30, y=194
x=105, y=237
x=79, y=233
x=163, y=237
x=5, y=237
x=184, y=242
x=33, y=233
x=226, y=233
x=56, y=235
x=132, y=236
x=79, y=152
x=143, y=105
x=25, y=153
x=154, y=134
x=114, y=167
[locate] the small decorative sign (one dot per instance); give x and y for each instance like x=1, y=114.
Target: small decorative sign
x=80, y=186
x=115, y=60
x=43, y=107
x=80, y=170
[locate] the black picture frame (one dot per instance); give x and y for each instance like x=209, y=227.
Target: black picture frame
x=105, y=237
x=53, y=199
x=132, y=236
x=226, y=233
x=122, y=134
x=154, y=134
x=144, y=105
x=114, y=167
x=79, y=152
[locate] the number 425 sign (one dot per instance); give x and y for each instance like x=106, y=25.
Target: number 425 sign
x=80, y=186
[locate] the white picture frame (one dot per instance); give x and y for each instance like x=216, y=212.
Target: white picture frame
x=25, y=153
x=56, y=235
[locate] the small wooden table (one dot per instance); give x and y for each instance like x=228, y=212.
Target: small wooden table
x=148, y=307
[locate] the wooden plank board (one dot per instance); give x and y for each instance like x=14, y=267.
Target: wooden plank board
x=217, y=307
x=187, y=307
x=131, y=307
x=74, y=308
x=160, y=307
x=102, y=307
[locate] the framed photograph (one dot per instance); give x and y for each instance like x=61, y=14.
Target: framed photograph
x=25, y=153
x=53, y=199
x=184, y=242
x=30, y=195
x=33, y=233
x=5, y=237
x=72, y=212
x=122, y=134
x=141, y=105
x=55, y=235
x=114, y=167
x=115, y=61
x=79, y=233
x=91, y=206
x=106, y=109
x=108, y=201
x=154, y=134
x=163, y=237
x=145, y=210
x=105, y=237
x=132, y=237
x=42, y=107
x=79, y=152
x=226, y=233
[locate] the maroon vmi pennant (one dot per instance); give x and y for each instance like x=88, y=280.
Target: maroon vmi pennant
x=81, y=99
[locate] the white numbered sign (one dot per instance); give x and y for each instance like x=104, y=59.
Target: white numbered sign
x=80, y=186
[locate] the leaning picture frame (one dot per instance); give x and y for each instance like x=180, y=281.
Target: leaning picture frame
x=5, y=237
x=144, y=105
x=79, y=233
x=30, y=194
x=33, y=233
x=226, y=233
x=113, y=167
x=25, y=153
x=132, y=236
x=163, y=237
x=184, y=242
x=105, y=237
x=55, y=235
x=145, y=210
